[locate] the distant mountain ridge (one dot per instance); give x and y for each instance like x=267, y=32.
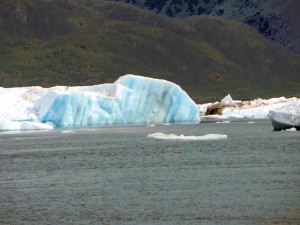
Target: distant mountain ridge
x=277, y=20
x=67, y=42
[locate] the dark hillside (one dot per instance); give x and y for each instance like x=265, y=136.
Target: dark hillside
x=276, y=20
x=71, y=43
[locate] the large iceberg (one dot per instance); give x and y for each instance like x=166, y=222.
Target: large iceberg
x=130, y=100
x=286, y=117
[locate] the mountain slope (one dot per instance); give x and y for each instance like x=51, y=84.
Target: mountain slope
x=71, y=43
x=277, y=20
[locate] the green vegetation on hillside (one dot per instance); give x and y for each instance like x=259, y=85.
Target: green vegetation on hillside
x=71, y=43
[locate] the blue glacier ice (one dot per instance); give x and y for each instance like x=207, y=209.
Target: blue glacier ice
x=130, y=100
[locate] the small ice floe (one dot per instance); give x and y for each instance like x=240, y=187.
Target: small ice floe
x=163, y=136
x=251, y=122
x=227, y=99
x=293, y=129
x=9, y=125
x=151, y=125
x=226, y=121
x=67, y=131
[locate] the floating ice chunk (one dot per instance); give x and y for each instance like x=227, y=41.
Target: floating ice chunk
x=8, y=125
x=163, y=136
x=67, y=132
x=286, y=117
x=293, y=129
x=226, y=121
x=259, y=112
x=227, y=99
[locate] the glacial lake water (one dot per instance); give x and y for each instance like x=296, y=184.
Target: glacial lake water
x=116, y=175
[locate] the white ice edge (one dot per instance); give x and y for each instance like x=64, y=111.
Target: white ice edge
x=8, y=125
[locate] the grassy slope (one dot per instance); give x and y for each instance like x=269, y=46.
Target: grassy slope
x=49, y=44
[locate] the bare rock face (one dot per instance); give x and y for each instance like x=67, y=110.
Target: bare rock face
x=217, y=108
x=277, y=20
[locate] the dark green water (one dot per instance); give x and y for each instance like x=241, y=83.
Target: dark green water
x=116, y=175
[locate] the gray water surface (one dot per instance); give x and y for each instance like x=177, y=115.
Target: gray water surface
x=116, y=175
